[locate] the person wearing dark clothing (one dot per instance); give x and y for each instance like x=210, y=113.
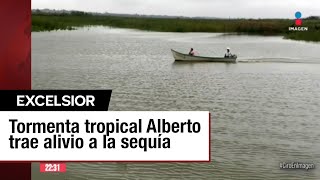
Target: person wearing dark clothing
x=191, y=52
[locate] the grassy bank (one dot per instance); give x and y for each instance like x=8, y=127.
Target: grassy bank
x=48, y=22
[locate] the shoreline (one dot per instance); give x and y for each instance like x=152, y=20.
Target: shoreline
x=264, y=27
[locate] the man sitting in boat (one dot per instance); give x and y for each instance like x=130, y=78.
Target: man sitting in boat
x=228, y=54
x=191, y=53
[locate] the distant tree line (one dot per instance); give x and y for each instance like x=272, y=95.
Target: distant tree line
x=61, y=13
x=313, y=17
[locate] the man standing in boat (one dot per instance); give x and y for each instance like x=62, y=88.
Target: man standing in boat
x=228, y=54
x=191, y=52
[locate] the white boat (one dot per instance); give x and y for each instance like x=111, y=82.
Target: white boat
x=188, y=58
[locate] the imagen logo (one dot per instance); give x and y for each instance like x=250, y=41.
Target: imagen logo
x=298, y=23
x=298, y=18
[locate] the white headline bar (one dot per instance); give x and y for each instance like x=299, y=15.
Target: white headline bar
x=105, y=136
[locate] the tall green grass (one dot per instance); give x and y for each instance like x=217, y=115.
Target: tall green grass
x=49, y=22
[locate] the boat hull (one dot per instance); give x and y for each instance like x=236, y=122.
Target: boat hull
x=187, y=58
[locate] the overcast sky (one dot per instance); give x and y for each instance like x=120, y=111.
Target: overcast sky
x=209, y=8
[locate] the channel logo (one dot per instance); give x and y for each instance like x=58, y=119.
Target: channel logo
x=298, y=19
x=298, y=23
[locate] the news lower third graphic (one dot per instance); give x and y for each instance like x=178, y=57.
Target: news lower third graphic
x=55, y=100
x=36, y=123
x=53, y=167
x=298, y=23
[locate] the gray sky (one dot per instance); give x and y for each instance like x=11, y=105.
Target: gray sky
x=210, y=8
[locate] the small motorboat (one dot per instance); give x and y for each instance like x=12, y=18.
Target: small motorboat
x=188, y=58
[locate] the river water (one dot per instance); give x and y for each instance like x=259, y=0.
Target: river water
x=265, y=108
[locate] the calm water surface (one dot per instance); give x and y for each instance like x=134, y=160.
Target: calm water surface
x=265, y=109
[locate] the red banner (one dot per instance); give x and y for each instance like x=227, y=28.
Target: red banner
x=15, y=65
x=15, y=44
